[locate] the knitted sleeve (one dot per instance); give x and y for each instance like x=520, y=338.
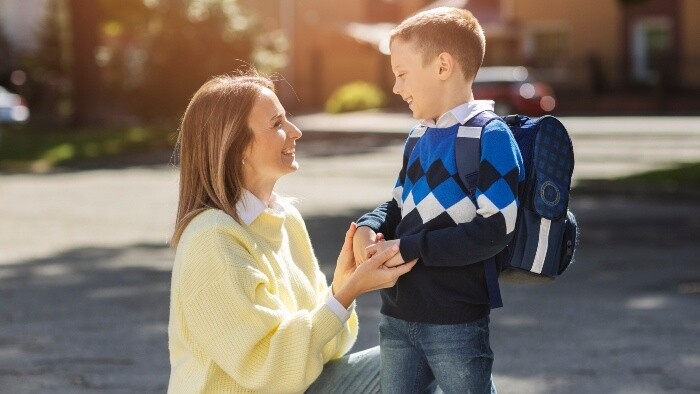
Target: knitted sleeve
x=239, y=320
x=386, y=217
x=343, y=341
x=500, y=171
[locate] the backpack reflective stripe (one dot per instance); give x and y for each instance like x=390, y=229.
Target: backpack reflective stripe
x=546, y=232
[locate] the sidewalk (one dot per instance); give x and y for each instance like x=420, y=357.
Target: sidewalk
x=85, y=269
x=605, y=147
x=401, y=123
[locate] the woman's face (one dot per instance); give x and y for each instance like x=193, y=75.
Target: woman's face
x=272, y=151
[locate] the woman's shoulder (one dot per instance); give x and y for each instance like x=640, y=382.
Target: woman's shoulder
x=289, y=205
x=214, y=239
x=211, y=224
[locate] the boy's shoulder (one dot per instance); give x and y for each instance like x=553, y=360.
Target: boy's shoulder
x=417, y=130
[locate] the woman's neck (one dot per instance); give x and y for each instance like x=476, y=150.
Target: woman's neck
x=262, y=190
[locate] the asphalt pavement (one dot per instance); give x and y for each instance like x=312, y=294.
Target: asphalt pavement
x=85, y=269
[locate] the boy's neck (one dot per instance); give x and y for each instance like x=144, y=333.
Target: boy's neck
x=455, y=94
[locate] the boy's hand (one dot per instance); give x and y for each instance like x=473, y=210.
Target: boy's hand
x=379, y=247
x=350, y=280
x=364, y=237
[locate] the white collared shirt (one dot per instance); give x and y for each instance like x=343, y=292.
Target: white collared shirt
x=250, y=207
x=460, y=114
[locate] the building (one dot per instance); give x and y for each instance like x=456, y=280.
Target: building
x=582, y=47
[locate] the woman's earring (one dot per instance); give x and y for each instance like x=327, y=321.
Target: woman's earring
x=243, y=161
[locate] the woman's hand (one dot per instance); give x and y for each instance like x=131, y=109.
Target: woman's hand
x=351, y=280
x=394, y=261
x=362, y=238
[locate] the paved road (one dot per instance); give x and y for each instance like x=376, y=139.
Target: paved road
x=84, y=278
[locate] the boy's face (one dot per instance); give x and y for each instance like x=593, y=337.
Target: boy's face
x=417, y=84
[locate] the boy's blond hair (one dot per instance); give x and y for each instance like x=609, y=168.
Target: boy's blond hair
x=445, y=29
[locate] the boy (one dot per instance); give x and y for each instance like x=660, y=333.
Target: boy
x=434, y=323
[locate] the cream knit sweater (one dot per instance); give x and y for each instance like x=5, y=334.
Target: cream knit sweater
x=248, y=307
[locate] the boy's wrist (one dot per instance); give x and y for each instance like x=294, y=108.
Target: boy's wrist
x=409, y=246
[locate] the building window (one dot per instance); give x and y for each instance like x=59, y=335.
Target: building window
x=651, y=44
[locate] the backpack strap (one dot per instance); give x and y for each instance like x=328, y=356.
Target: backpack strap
x=413, y=137
x=468, y=158
x=468, y=148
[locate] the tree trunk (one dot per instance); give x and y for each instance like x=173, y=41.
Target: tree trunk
x=85, y=74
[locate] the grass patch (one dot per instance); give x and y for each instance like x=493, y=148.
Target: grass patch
x=29, y=149
x=681, y=181
x=686, y=175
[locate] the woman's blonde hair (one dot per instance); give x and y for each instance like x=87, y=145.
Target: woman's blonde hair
x=445, y=29
x=214, y=135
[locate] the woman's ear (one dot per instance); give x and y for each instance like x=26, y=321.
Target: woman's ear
x=446, y=64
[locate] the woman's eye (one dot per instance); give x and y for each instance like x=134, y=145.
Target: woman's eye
x=278, y=125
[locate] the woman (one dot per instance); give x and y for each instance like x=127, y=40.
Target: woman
x=250, y=308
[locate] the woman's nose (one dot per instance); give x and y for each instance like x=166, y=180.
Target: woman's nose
x=293, y=132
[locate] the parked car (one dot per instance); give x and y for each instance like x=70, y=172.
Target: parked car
x=13, y=107
x=514, y=91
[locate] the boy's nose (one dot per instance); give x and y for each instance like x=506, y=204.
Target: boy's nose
x=396, y=89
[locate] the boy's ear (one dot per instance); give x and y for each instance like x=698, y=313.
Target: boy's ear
x=446, y=64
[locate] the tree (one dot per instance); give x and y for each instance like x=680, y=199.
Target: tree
x=191, y=41
x=86, y=82
x=139, y=56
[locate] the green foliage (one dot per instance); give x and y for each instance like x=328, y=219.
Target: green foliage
x=681, y=176
x=189, y=42
x=356, y=96
x=152, y=56
x=32, y=149
x=48, y=86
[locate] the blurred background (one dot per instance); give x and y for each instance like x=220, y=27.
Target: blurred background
x=124, y=69
x=91, y=92
x=79, y=63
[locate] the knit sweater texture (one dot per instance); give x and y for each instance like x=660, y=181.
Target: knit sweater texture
x=450, y=229
x=248, y=307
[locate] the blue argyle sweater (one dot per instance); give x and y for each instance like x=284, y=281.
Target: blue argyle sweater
x=454, y=227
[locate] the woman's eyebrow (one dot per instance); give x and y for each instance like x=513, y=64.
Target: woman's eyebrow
x=277, y=116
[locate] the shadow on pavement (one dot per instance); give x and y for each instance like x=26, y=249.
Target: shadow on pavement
x=87, y=318
x=624, y=318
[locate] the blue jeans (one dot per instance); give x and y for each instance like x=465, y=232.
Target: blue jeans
x=415, y=356
x=353, y=373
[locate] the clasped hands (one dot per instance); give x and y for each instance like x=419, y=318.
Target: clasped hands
x=366, y=243
x=379, y=265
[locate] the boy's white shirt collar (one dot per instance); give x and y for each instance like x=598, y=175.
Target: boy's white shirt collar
x=460, y=114
x=249, y=207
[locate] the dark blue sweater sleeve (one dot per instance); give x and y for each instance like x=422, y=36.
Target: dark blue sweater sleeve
x=500, y=171
x=387, y=216
x=383, y=219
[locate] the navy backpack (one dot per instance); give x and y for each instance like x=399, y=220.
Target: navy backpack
x=546, y=232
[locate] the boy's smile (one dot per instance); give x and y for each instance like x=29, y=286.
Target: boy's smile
x=417, y=83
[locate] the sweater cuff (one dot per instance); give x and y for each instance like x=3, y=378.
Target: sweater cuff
x=410, y=246
x=337, y=308
x=369, y=222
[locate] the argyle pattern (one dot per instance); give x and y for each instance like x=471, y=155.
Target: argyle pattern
x=430, y=193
